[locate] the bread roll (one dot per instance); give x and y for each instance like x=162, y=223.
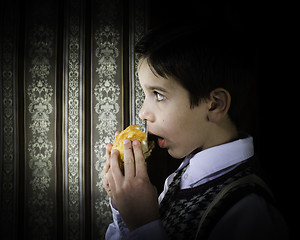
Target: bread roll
x=133, y=133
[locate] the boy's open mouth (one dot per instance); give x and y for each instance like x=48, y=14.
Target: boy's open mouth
x=160, y=141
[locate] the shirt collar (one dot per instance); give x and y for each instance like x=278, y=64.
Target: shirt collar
x=215, y=159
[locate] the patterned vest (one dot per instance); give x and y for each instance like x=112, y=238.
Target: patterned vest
x=192, y=213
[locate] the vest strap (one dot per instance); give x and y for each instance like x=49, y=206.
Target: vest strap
x=252, y=178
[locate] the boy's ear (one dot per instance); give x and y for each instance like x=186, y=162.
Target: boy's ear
x=219, y=103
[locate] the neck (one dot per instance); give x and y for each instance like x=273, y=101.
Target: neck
x=222, y=132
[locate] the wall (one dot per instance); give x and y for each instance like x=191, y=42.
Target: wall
x=68, y=82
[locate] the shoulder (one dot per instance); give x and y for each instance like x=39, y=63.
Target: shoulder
x=252, y=217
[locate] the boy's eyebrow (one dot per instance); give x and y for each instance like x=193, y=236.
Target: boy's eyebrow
x=157, y=88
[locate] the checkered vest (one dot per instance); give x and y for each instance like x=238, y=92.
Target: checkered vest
x=192, y=213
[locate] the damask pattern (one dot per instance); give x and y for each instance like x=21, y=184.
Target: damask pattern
x=138, y=30
x=48, y=149
x=107, y=94
x=40, y=148
x=7, y=126
x=73, y=97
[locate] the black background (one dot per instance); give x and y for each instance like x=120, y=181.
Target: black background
x=272, y=113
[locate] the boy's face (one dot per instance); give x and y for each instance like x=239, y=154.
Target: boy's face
x=166, y=109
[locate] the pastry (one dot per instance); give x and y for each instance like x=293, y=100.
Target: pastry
x=132, y=133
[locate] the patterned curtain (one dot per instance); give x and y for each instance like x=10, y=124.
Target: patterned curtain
x=68, y=82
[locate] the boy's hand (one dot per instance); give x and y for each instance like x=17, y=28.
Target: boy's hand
x=132, y=193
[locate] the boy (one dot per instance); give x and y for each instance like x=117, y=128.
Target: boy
x=195, y=81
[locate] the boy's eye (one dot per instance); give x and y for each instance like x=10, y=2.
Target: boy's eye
x=159, y=97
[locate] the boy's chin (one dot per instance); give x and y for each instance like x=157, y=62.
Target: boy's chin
x=176, y=154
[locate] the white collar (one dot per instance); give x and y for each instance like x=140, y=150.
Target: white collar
x=213, y=160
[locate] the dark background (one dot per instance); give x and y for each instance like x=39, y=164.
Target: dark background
x=269, y=117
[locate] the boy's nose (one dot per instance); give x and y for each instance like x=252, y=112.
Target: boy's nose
x=145, y=114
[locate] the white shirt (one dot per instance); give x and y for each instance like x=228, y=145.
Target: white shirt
x=203, y=167
x=212, y=163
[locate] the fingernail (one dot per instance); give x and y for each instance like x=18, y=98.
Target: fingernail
x=114, y=151
x=136, y=143
x=126, y=141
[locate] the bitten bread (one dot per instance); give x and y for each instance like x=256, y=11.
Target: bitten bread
x=132, y=133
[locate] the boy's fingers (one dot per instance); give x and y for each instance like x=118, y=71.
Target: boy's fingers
x=140, y=163
x=108, y=150
x=115, y=168
x=117, y=133
x=108, y=183
x=129, y=169
x=107, y=164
